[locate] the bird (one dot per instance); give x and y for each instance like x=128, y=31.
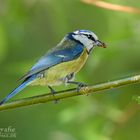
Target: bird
x=61, y=63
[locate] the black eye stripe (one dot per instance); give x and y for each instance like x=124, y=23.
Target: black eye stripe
x=90, y=37
x=93, y=39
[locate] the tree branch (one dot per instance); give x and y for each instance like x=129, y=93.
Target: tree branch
x=69, y=93
x=114, y=7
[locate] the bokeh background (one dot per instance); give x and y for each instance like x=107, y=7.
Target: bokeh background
x=28, y=28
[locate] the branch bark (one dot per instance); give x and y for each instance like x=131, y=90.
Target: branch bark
x=114, y=7
x=69, y=93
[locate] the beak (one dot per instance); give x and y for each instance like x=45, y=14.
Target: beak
x=100, y=44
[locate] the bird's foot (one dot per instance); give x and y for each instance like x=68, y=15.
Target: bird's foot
x=53, y=92
x=80, y=85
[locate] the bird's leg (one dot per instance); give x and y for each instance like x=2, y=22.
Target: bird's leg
x=69, y=80
x=70, y=77
x=79, y=84
x=53, y=93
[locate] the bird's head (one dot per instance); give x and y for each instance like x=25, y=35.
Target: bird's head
x=87, y=38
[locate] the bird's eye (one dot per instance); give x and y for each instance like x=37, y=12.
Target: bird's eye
x=89, y=36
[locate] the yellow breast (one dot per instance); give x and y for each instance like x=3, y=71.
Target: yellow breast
x=57, y=72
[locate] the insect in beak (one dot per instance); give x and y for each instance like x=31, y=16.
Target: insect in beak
x=100, y=44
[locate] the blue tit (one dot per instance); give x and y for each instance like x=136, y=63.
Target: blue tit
x=61, y=63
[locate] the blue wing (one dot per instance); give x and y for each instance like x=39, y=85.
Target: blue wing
x=62, y=53
x=55, y=57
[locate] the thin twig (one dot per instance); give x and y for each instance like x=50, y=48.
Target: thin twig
x=69, y=93
x=114, y=7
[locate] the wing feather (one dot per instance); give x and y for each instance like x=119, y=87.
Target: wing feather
x=61, y=54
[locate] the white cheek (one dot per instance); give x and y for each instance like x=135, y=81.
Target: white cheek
x=85, y=41
x=89, y=47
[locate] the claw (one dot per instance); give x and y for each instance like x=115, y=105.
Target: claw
x=80, y=85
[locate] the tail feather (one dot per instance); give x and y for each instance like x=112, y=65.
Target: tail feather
x=18, y=89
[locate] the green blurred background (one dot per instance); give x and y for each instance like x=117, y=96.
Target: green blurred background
x=28, y=28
